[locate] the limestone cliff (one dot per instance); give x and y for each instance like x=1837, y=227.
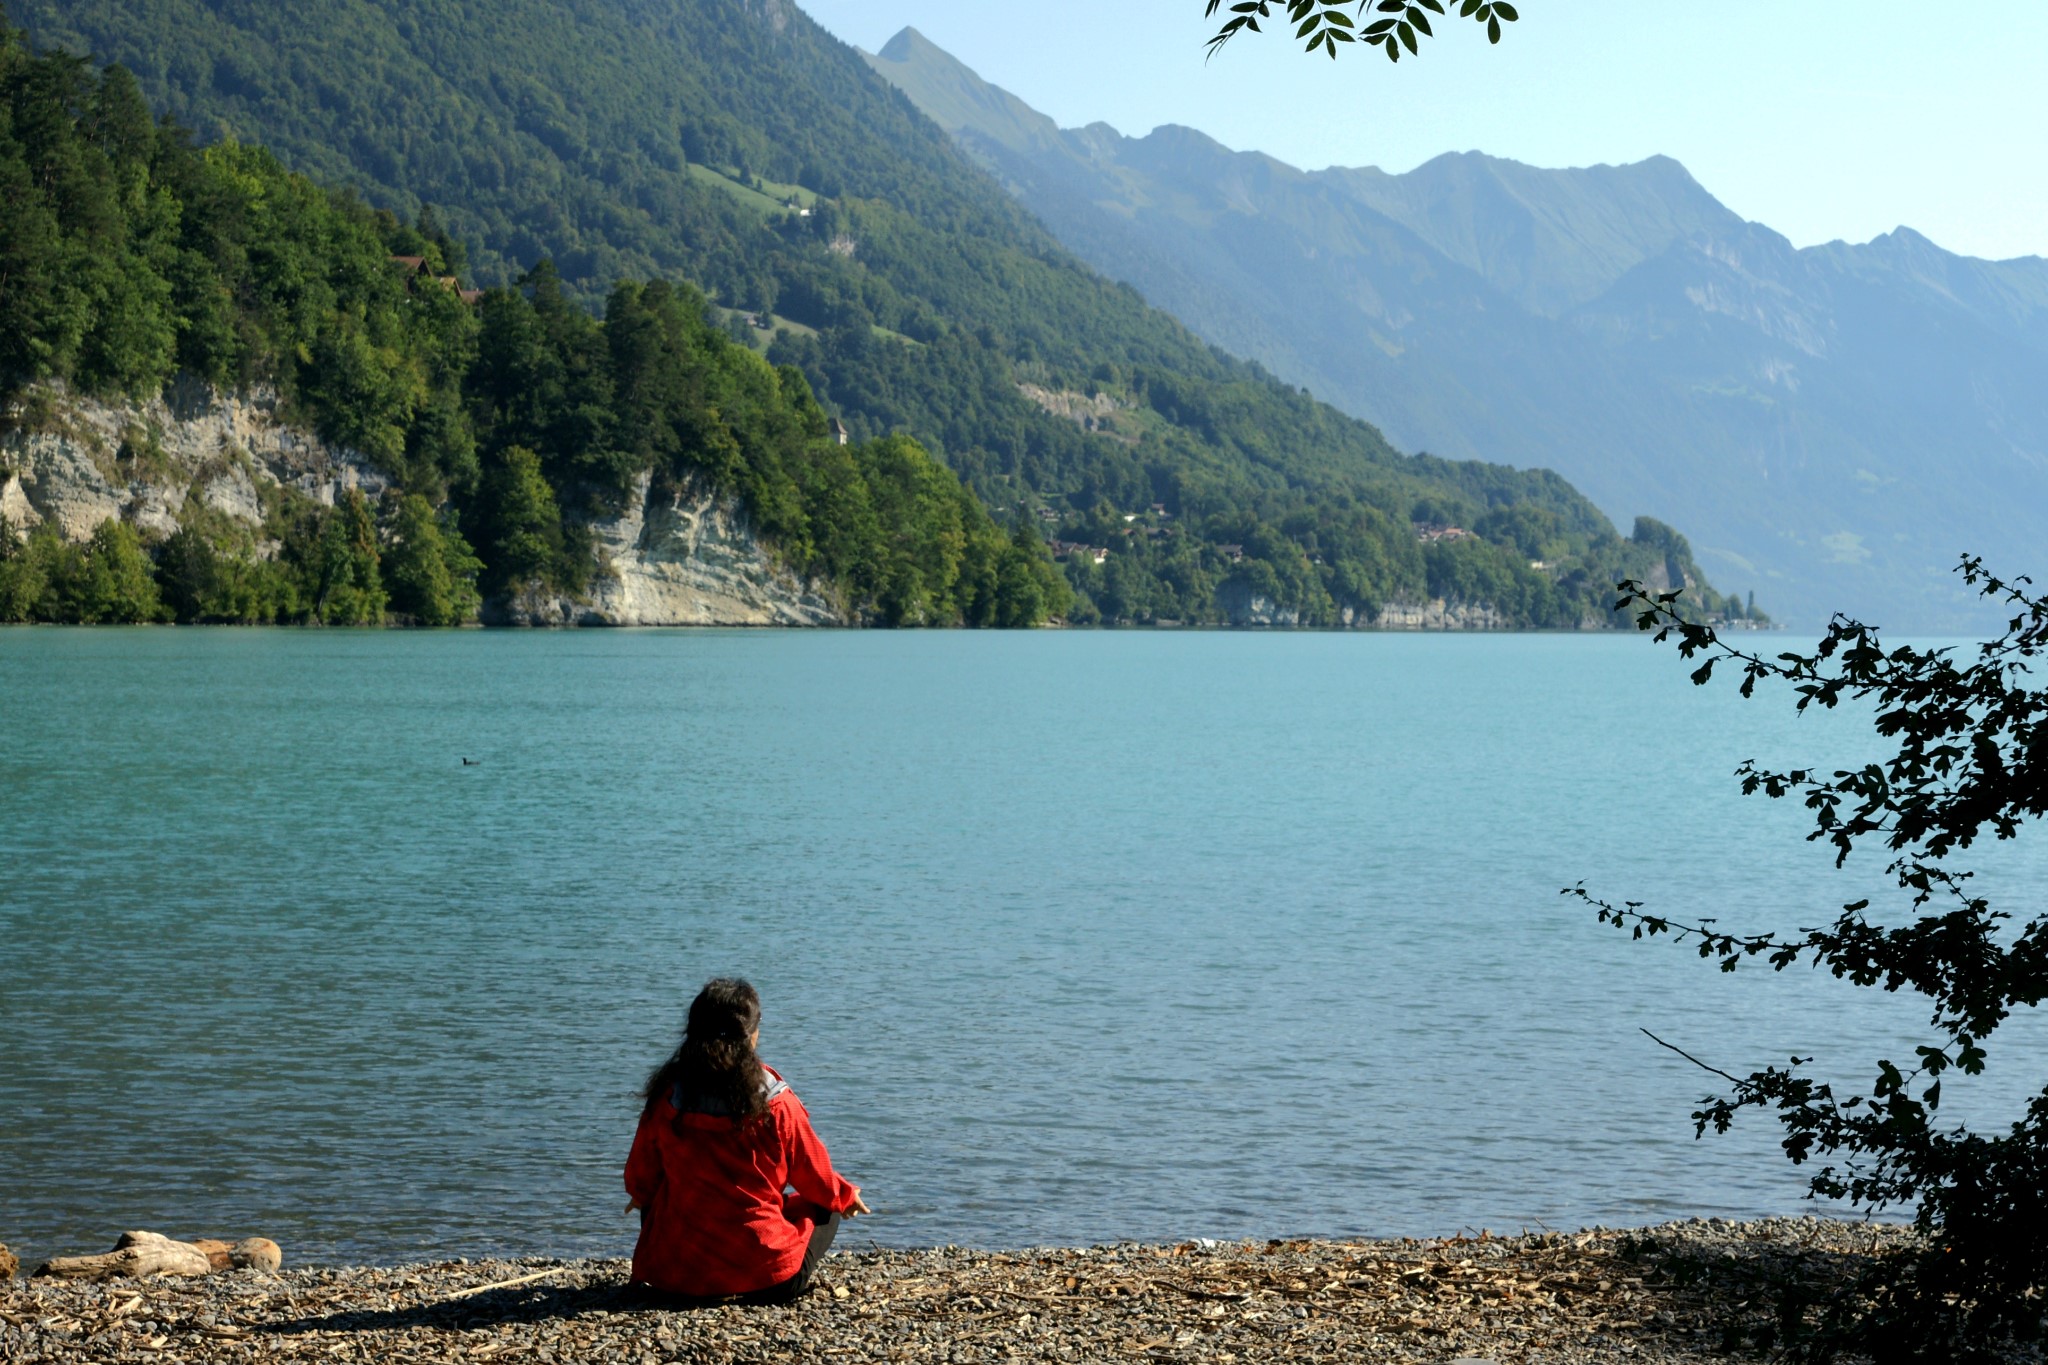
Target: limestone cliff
x=76, y=461
x=1435, y=614
x=679, y=557
x=675, y=557
x=1245, y=607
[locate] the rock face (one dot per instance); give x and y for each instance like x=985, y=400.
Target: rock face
x=1090, y=412
x=76, y=461
x=676, y=557
x=679, y=557
x=1435, y=615
x=1248, y=608
x=1245, y=607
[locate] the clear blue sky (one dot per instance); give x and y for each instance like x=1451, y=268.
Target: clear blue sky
x=1822, y=118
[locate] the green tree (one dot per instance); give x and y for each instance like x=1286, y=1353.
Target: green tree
x=212, y=574
x=920, y=556
x=189, y=574
x=108, y=580
x=430, y=567
x=37, y=573
x=515, y=523
x=1029, y=588
x=365, y=395
x=22, y=580
x=1970, y=759
x=334, y=553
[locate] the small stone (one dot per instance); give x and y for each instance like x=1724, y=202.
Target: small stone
x=256, y=1253
x=8, y=1263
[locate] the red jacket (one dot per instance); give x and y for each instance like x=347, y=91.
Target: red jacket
x=713, y=1218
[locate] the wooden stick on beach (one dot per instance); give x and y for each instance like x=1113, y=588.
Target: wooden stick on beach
x=501, y=1284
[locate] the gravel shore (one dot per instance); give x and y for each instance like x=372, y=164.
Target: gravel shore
x=1689, y=1291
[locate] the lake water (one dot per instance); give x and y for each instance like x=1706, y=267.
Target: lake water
x=1062, y=937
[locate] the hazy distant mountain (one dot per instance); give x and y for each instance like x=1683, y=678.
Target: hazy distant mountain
x=1833, y=425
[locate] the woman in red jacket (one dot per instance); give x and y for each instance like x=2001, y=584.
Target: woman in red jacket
x=721, y=1138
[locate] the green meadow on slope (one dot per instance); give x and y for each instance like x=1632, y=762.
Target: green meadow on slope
x=733, y=144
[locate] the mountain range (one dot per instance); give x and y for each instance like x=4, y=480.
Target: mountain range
x=1833, y=425
x=737, y=147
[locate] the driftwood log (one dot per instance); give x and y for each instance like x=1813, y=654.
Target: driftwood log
x=140, y=1254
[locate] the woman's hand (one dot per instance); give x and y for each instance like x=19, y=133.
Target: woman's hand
x=860, y=1206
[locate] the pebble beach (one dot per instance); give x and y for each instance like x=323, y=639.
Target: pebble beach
x=1695, y=1290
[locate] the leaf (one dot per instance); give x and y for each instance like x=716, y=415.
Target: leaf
x=1416, y=17
x=1493, y=30
x=1505, y=10
x=1407, y=35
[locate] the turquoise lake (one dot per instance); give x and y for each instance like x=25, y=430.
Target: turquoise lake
x=1063, y=937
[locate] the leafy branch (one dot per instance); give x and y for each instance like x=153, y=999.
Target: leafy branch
x=1324, y=23
x=1970, y=755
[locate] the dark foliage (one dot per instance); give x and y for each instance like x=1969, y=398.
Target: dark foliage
x=1971, y=759
x=1389, y=25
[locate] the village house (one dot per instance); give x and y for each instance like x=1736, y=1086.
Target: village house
x=415, y=268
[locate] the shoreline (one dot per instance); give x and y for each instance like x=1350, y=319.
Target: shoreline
x=1683, y=1292
x=847, y=628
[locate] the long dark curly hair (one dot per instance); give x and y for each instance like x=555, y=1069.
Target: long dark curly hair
x=714, y=1068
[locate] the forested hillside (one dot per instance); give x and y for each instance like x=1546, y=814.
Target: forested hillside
x=508, y=421
x=734, y=144
x=1832, y=425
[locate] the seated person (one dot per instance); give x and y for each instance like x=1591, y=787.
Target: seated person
x=721, y=1140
